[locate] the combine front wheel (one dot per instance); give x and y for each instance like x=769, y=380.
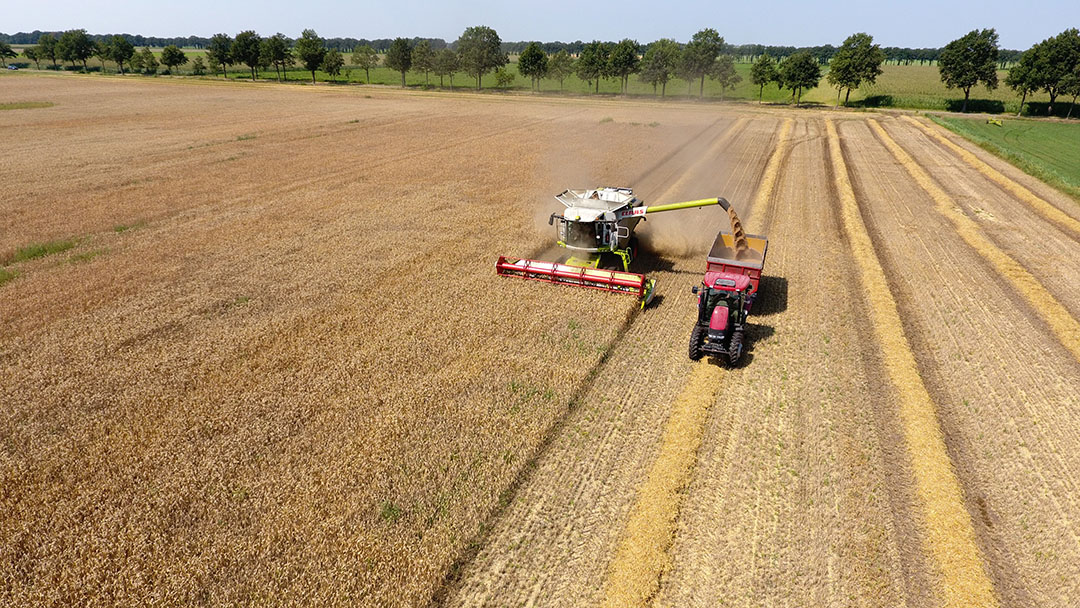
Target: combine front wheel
x=697, y=338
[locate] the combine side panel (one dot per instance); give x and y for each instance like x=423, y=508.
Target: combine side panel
x=591, y=278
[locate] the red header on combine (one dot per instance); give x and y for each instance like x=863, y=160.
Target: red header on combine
x=592, y=278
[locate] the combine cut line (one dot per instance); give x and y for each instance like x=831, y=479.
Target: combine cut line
x=1040, y=205
x=950, y=537
x=764, y=194
x=643, y=554
x=708, y=157
x=1061, y=323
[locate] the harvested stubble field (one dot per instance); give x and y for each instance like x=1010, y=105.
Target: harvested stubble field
x=276, y=366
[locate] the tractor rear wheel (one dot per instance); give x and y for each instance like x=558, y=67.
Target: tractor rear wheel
x=735, y=349
x=697, y=338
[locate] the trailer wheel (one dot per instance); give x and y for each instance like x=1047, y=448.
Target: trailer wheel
x=735, y=349
x=697, y=337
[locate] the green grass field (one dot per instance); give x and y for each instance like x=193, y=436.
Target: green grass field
x=1049, y=150
x=899, y=86
x=916, y=86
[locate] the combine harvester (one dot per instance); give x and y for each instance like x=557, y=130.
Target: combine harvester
x=598, y=222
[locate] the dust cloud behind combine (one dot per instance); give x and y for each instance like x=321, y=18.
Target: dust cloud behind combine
x=689, y=232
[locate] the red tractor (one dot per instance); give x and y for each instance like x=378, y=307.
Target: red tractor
x=732, y=278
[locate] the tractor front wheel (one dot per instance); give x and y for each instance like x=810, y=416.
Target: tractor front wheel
x=735, y=349
x=697, y=338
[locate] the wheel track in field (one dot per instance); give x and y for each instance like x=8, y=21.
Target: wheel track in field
x=643, y=555
x=583, y=497
x=949, y=534
x=1067, y=433
x=1042, y=246
x=978, y=347
x=1007, y=184
x=1060, y=471
x=1061, y=323
x=777, y=514
x=560, y=426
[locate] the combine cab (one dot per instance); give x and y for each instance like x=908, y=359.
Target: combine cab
x=726, y=294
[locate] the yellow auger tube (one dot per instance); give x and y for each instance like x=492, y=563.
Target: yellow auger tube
x=741, y=245
x=704, y=202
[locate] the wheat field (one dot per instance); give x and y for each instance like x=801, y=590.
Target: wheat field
x=253, y=351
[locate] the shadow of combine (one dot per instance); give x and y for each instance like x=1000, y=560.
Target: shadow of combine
x=649, y=260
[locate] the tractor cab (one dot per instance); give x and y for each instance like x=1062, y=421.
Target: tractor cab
x=722, y=299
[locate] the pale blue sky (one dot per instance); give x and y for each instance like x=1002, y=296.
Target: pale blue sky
x=912, y=23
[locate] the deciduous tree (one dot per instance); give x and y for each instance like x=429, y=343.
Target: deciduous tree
x=148, y=61
x=246, y=48
x=763, y=72
x=366, y=58
x=136, y=62
x=172, y=57
x=684, y=69
x=219, y=51
x=47, y=48
x=560, y=65
x=102, y=52
x=6, y=52
x=1070, y=85
x=533, y=64
x=969, y=60
x=311, y=50
x=624, y=61
x=699, y=55
x=198, y=66
x=1055, y=59
x=75, y=46
x=1022, y=77
x=480, y=50
x=723, y=72
x=659, y=64
x=33, y=54
x=399, y=57
x=857, y=61
x=592, y=63
x=332, y=63
x=446, y=64
x=121, y=51
x=503, y=78
x=423, y=58
x=800, y=71
x=278, y=52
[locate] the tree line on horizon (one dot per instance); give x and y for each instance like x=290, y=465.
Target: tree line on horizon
x=1052, y=65
x=746, y=53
